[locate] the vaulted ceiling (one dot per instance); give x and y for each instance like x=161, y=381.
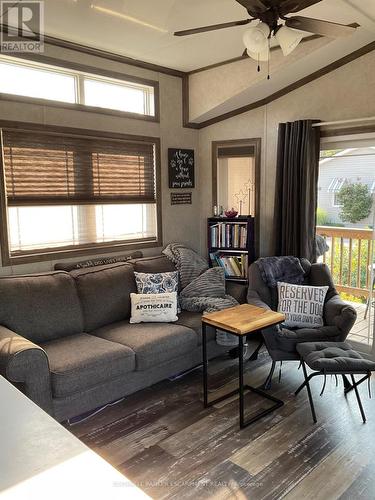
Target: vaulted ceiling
x=221, y=82
x=143, y=29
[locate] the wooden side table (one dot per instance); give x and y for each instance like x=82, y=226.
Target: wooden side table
x=239, y=321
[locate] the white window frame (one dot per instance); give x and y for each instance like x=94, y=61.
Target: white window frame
x=149, y=89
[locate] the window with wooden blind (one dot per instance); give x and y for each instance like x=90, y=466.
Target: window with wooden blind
x=64, y=192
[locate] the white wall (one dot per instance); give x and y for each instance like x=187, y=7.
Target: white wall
x=180, y=223
x=348, y=92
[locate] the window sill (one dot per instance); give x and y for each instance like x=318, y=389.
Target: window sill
x=79, y=107
x=43, y=255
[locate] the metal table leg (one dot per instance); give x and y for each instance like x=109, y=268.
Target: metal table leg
x=241, y=389
x=240, y=380
x=205, y=365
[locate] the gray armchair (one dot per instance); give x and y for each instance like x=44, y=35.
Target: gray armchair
x=280, y=341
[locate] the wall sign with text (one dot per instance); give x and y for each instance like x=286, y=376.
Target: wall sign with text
x=180, y=198
x=181, y=168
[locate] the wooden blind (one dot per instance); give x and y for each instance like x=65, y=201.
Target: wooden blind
x=42, y=168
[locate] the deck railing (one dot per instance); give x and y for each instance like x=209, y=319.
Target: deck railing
x=350, y=258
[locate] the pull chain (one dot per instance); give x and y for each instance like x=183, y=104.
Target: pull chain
x=269, y=57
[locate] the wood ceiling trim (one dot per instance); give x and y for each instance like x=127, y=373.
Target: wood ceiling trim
x=280, y=93
x=58, y=42
x=104, y=54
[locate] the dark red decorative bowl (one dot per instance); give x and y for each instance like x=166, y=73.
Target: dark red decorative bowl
x=231, y=213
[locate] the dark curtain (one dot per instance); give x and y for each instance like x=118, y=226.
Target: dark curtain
x=296, y=189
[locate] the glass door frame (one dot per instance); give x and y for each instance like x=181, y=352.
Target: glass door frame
x=333, y=137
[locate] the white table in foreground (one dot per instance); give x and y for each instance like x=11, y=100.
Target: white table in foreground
x=40, y=459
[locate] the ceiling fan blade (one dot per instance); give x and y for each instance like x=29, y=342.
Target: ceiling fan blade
x=319, y=27
x=212, y=27
x=255, y=7
x=291, y=6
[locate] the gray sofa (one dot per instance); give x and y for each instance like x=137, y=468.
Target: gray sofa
x=66, y=340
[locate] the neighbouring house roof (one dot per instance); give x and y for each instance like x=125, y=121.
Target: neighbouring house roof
x=336, y=184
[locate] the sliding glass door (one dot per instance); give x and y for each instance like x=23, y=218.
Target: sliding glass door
x=345, y=227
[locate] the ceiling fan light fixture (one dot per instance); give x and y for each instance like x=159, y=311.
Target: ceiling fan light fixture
x=256, y=39
x=264, y=55
x=288, y=39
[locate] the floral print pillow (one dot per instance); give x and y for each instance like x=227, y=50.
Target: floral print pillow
x=157, y=282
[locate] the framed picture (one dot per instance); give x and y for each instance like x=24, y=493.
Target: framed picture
x=181, y=168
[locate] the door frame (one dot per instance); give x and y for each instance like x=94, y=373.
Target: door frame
x=256, y=143
x=332, y=135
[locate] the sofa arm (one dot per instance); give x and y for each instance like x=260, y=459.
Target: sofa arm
x=340, y=314
x=236, y=290
x=25, y=363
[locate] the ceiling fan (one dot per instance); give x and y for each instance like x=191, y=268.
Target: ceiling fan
x=273, y=22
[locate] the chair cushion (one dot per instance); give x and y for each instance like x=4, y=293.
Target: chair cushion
x=153, y=343
x=193, y=320
x=287, y=339
x=82, y=361
x=333, y=357
x=104, y=292
x=40, y=307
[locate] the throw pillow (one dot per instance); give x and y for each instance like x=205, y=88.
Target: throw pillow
x=99, y=261
x=157, y=283
x=302, y=305
x=153, y=307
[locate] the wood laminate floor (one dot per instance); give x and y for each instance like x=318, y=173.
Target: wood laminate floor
x=167, y=443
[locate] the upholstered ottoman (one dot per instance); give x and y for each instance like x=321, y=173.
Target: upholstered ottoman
x=333, y=358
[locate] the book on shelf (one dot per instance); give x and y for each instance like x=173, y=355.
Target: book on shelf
x=224, y=235
x=235, y=266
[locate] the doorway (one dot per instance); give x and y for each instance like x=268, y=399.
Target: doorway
x=346, y=221
x=236, y=178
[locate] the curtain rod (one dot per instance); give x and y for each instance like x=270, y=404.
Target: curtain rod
x=343, y=122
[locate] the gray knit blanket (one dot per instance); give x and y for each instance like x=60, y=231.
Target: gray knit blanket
x=202, y=288
x=287, y=269
x=188, y=263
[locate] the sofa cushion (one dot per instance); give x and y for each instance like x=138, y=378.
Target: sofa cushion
x=193, y=320
x=156, y=264
x=153, y=343
x=40, y=307
x=81, y=361
x=104, y=292
x=334, y=357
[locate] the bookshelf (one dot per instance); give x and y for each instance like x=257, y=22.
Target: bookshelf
x=231, y=245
